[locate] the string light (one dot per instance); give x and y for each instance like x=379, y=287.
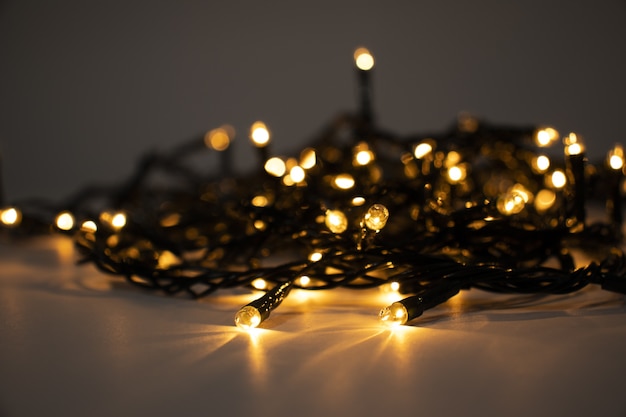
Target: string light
x=476, y=206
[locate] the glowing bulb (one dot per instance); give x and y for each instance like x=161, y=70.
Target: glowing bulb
x=297, y=174
x=10, y=217
x=315, y=256
x=545, y=137
x=118, y=221
x=422, y=150
x=259, y=284
x=616, y=157
x=542, y=163
x=558, y=179
x=89, y=226
x=511, y=203
x=336, y=221
x=65, y=221
x=456, y=173
x=394, y=286
x=260, y=201
x=376, y=217
x=394, y=315
x=544, y=200
x=248, y=317
x=570, y=139
x=308, y=158
x=344, y=181
x=276, y=167
x=358, y=201
x=575, y=148
x=304, y=281
x=259, y=134
x=363, y=59
x=220, y=138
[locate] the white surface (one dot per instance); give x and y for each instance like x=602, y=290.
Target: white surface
x=75, y=342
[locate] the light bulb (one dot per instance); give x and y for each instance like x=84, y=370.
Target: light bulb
x=297, y=174
x=64, y=221
x=259, y=134
x=220, y=138
x=394, y=315
x=308, y=158
x=260, y=201
x=376, y=217
x=344, y=181
x=89, y=226
x=363, y=59
x=118, y=220
x=456, y=174
x=336, y=221
x=422, y=150
x=616, y=157
x=315, y=256
x=248, y=317
x=544, y=200
x=275, y=166
x=259, y=284
x=558, y=179
x=541, y=163
x=546, y=136
x=10, y=217
x=575, y=148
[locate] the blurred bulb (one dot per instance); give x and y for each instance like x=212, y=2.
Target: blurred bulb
x=546, y=136
x=394, y=315
x=315, y=256
x=574, y=149
x=259, y=134
x=544, y=200
x=65, y=221
x=616, y=157
x=259, y=284
x=248, y=317
x=297, y=174
x=220, y=138
x=558, y=179
x=336, y=221
x=358, y=201
x=275, y=166
x=394, y=286
x=363, y=157
x=363, y=59
x=344, y=181
x=308, y=158
x=118, y=221
x=376, y=217
x=542, y=163
x=260, y=201
x=422, y=150
x=456, y=173
x=89, y=226
x=304, y=281
x=514, y=200
x=570, y=139
x=10, y=217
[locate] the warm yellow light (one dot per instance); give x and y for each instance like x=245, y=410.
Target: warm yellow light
x=363, y=59
x=363, y=157
x=394, y=286
x=514, y=200
x=422, y=150
x=546, y=136
x=315, y=256
x=544, y=200
x=542, y=163
x=64, y=221
x=118, y=220
x=304, y=281
x=247, y=318
x=308, y=158
x=89, y=226
x=571, y=138
x=297, y=174
x=259, y=134
x=376, y=217
x=344, y=181
x=558, y=179
x=260, y=225
x=456, y=173
x=259, y=284
x=394, y=315
x=220, y=138
x=616, y=157
x=275, y=166
x=260, y=201
x=358, y=201
x=10, y=216
x=575, y=148
x=167, y=259
x=336, y=221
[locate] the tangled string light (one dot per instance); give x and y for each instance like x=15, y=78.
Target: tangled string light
x=477, y=206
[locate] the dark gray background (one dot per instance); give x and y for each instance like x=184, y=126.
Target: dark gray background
x=86, y=87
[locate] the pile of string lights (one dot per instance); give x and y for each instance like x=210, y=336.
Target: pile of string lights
x=477, y=206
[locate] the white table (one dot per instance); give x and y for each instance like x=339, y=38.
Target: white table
x=76, y=342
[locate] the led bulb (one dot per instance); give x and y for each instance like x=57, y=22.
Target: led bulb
x=259, y=284
x=344, y=181
x=297, y=174
x=544, y=200
x=275, y=166
x=394, y=315
x=616, y=157
x=315, y=256
x=248, y=317
x=546, y=136
x=89, y=226
x=558, y=179
x=541, y=163
x=575, y=148
x=422, y=150
x=118, y=220
x=65, y=221
x=336, y=221
x=220, y=138
x=456, y=173
x=259, y=134
x=308, y=158
x=363, y=59
x=376, y=217
x=10, y=217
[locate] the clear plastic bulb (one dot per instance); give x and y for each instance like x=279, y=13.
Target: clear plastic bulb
x=248, y=317
x=394, y=315
x=376, y=217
